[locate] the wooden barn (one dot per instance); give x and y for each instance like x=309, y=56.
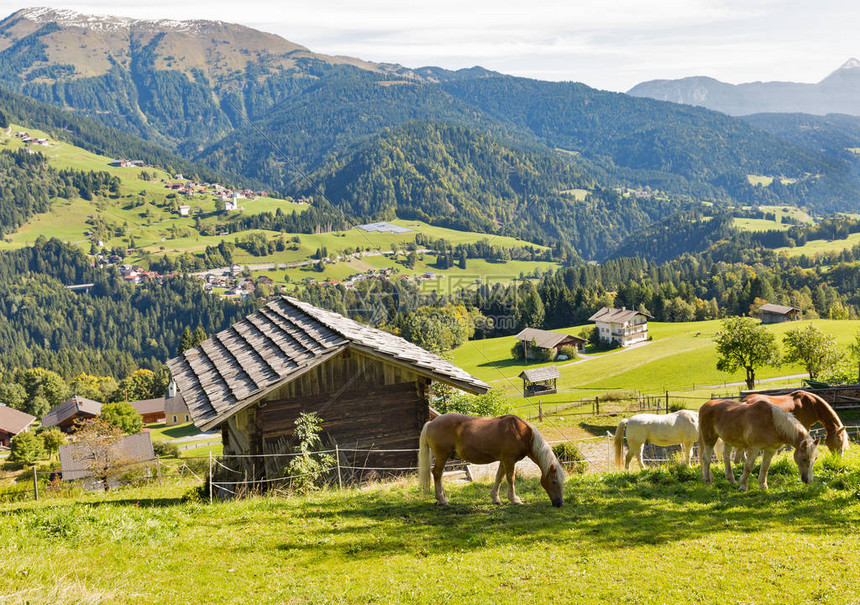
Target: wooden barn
x=544, y=339
x=369, y=387
x=73, y=410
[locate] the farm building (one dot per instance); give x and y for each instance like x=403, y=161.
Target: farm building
x=774, y=314
x=369, y=387
x=77, y=460
x=12, y=422
x=540, y=381
x=545, y=339
x=624, y=326
x=151, y=410
x=69, y=412
x=175, y=411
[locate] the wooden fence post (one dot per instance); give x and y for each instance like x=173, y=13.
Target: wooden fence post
x=667, y=402
x=596, y=405
x=158, y=470
x=35, y=484
x=337, y=461
x=210, y=477
x=540, y=411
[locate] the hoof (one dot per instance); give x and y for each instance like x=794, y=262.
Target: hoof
x=497, y=502
x=442, y=502
x=742, y=488
x=763, y=486
x=516, y=501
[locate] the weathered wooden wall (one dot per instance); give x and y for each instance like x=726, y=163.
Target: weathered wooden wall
x=363, y=402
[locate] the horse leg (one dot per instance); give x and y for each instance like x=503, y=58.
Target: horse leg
x=766, y=457
x=727, y=461
x=639, y=452
x=751, y=454
x=512, y=495
x=438, y=468
x=688, y=453
x=631, y=451
x=707, y=452
x=494, y=493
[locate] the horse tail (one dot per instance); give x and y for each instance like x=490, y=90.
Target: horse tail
x=424, y=460
x=619, y=441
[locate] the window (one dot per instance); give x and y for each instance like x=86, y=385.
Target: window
x=174, y=418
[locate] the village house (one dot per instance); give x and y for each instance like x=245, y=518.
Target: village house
x=175, y=411
x=184, y=210
x=370, y=388
x=544, y=339
x=72, y=410
x=13, y=422
x=773, y=314
x=623, y=326
x=75, y=458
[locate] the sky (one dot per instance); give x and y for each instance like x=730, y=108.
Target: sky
x=609, y=44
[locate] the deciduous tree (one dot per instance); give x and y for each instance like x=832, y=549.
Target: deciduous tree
x=812, y=348
x=744, y=343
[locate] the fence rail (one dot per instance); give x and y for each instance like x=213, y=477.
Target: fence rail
x=225, y=479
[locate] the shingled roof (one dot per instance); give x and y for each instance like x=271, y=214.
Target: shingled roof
x=778, y=309
x=69, y=408
x=279, y=343
x=540, y=374
x=13, y=421
x=544, y=338
x=617, y=316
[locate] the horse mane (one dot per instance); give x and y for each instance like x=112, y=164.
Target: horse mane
x=543, y=455
x=787, y=426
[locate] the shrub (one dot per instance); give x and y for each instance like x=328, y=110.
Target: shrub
x=571, y=457
x=123, y=416
x=27, y=448
x=517, y=351
x=165, y=449
x=569, y=350
x=310, y=467
x=491, y=403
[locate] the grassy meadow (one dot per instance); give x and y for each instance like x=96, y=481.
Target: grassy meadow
x=681, y=359
x=658, y=536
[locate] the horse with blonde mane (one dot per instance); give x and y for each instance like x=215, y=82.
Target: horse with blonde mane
x=809, y=408
x=753, y=427
x=507, y=439
x=681, y=427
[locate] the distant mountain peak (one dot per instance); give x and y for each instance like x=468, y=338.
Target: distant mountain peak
x=851, y=63
x=70, y=18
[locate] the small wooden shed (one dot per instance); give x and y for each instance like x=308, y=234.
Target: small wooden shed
x=540, y=381
x=369, y=387
x=773, y=314
x=71, y=411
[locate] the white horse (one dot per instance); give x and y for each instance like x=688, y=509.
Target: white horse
x=681, y=427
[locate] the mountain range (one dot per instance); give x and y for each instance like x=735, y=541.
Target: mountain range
x=471, y=149
x=839, y=92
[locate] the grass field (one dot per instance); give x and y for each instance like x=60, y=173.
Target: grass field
x=680, y=359
x=659, y=536
x=819, y=246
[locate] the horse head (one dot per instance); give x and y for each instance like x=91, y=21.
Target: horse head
x=838, y=441
x=553, y=482
x=804, y=456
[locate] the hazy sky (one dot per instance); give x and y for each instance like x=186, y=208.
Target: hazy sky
x=611, y=44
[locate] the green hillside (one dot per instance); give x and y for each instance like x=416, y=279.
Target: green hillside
x=681, y=358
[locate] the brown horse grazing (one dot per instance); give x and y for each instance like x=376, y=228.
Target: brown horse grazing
x=507, y=439
x=809, y=408
x=753, y=427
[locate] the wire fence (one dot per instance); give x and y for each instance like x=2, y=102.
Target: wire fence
x=237, y=475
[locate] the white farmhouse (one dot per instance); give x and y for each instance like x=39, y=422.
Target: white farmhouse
x=624, y=326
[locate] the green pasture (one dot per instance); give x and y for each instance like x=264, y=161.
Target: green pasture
x=759, y=224
x=681, y=359
x=820, y=246
x=766, y=181
x=658, y=536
